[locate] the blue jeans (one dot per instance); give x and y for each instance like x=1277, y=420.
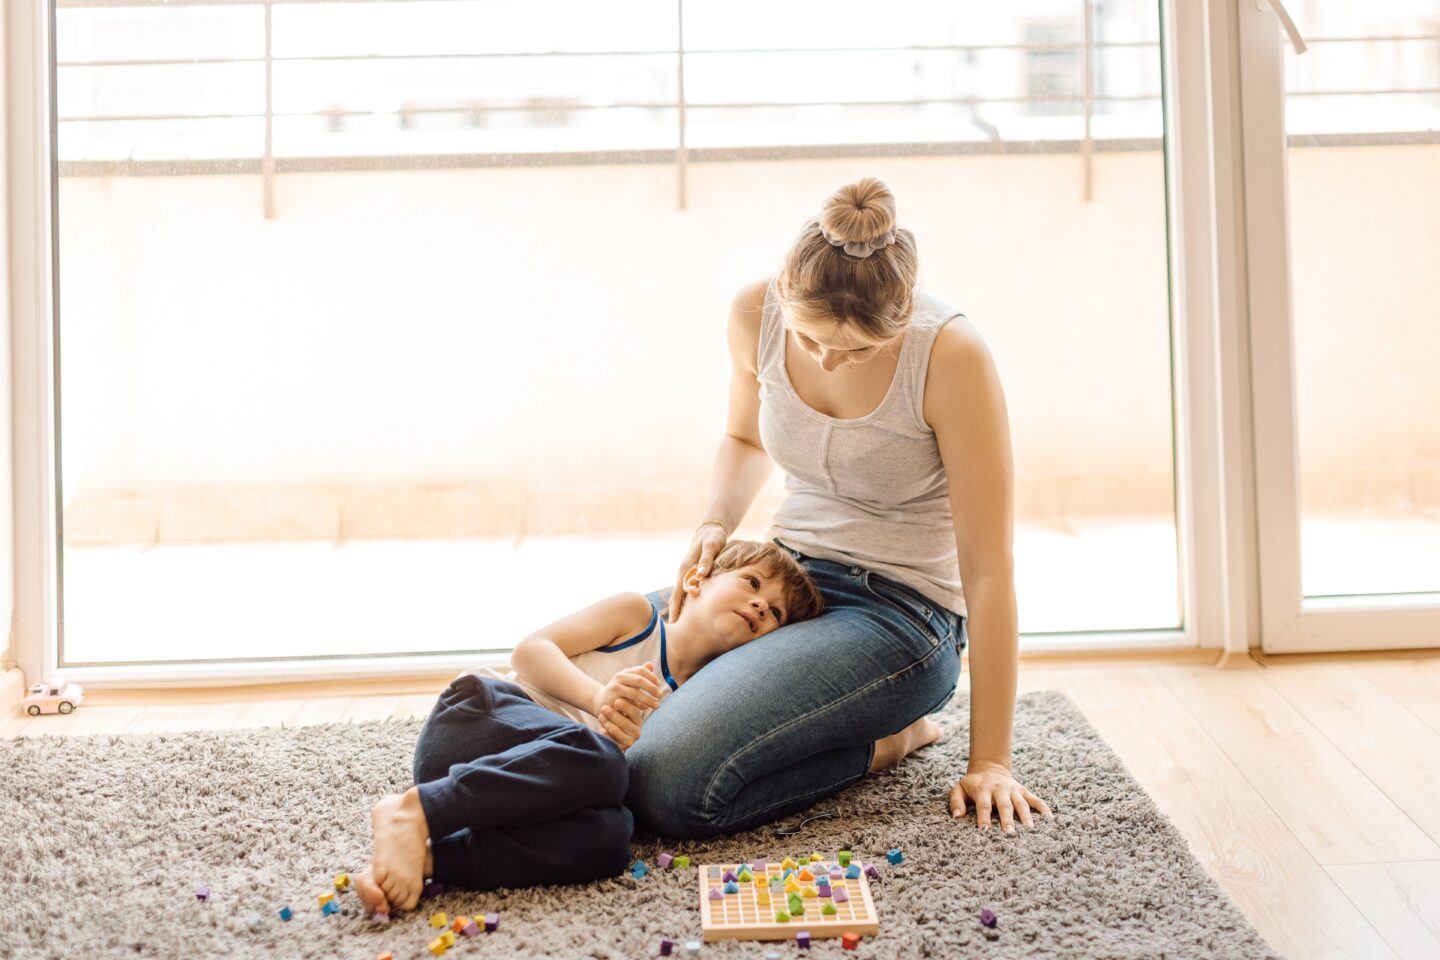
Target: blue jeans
x=515, y=795
x=786, y=720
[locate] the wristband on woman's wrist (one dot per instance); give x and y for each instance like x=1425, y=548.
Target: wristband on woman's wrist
x=719, y=523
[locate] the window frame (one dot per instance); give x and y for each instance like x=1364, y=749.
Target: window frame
x=1212, y=437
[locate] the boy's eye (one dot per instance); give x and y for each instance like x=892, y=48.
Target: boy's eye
x=754, y=582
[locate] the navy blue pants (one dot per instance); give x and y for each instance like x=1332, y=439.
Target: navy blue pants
x=516, y=795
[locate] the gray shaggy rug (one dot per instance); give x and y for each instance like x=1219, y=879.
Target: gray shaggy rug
x=104, y=839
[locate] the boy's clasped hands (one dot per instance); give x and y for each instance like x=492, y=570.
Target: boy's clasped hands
x=621, y=704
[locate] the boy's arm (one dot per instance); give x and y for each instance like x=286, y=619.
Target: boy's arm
x=543, y=658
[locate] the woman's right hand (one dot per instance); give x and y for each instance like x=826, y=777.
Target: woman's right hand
x=710, y=538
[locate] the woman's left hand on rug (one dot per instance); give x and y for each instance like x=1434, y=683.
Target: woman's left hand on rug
x=990, y=785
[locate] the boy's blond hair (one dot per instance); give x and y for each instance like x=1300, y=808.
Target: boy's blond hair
x=802, y=597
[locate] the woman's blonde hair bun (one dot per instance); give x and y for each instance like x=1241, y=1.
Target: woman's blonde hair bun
x=859, y=212
x=852, y=265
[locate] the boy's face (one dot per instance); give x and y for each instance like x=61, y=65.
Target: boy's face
x=734, y=607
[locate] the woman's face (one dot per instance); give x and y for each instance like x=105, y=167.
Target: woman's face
x=833, y=346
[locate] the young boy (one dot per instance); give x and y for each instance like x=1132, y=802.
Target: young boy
x=520, y=776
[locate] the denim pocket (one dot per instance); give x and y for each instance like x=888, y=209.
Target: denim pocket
x=909, y=604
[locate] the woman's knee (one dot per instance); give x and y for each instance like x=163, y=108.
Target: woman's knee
x=668, y=790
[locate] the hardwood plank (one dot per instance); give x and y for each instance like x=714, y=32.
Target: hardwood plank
x=1415, y=684
x=1323, y=797
x=372, y=708
x=1393, y=747
x=1233, y=832
x=318, y=710
x=1029, y=681
x=1402, y=900
x=182, y=717
x=12, y=727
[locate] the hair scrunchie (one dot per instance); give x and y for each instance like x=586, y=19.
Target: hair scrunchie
x=859, y=248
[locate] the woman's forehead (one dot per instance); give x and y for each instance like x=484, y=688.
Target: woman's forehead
x=831, y=334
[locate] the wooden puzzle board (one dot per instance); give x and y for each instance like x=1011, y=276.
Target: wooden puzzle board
x=736, y=916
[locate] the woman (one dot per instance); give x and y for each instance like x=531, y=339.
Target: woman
x=885, y=411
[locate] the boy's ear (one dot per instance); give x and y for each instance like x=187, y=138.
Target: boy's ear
x=692, y=580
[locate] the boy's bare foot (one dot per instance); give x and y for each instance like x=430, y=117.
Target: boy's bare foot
x=400, y=830
x=370, y=893
x=894, y=748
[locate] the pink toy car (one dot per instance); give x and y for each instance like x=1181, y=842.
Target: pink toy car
x=53, y=696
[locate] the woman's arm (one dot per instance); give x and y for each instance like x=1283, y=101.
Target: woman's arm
x=741, y=464
x=543, y=658
x=965, y=405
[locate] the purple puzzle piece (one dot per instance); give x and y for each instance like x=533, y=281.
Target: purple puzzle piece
x=715, y=894
x=825, y=891
x=202, y=893
x=664, y=860
x=666, y=946
x=759, y=866
x=987, y=918
x=872, y=872
x=837, y=874
x=432, y=890
x=471, y=929
x=492, y=922
x=380, y=919
x=729, y=876
x=802, y=939
x=841, y=895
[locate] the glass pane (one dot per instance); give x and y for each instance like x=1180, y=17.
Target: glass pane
x=1362, y=111
x=448, y=360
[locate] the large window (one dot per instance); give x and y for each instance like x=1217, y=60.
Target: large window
x=398, y=327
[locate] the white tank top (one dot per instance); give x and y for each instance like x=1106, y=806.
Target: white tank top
x=869, y=491
x=602, y=664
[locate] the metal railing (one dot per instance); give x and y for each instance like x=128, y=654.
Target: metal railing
x=268, y=165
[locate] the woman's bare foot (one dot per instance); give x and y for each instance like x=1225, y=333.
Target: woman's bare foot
x=370, y=893
x=894, y=748
x=401, y=832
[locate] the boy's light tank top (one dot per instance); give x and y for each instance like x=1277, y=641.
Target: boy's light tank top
x=870, y=491
x=602, y=664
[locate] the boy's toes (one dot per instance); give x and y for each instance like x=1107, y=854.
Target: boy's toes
x=371, y=894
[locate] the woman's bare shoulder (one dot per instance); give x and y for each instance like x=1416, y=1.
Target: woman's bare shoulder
x=744, y=325
x=961, y=370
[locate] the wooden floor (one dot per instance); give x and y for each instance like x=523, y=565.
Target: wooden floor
x=1308, y=786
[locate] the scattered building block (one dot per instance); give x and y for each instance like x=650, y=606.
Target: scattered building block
x=325, y=898
x=873, y=872
x=895, y=856
x=459, y=923
x=438, y=921
x=330, y=907
x=850, y=941
x=438, y=946
x=665, y=860
x=472, y=929
x=342, y=881
x=286, y=913
x=492, y=922
x=844, y=858
x=802, y=939
x=692, y=948
x=987, y=918
x=681, y=862
x=380, y=919
x=202, y=893
x=666, y=947
x=253, y=921
x=638, y=869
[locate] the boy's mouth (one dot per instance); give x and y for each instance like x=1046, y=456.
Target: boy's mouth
x=749, y=620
